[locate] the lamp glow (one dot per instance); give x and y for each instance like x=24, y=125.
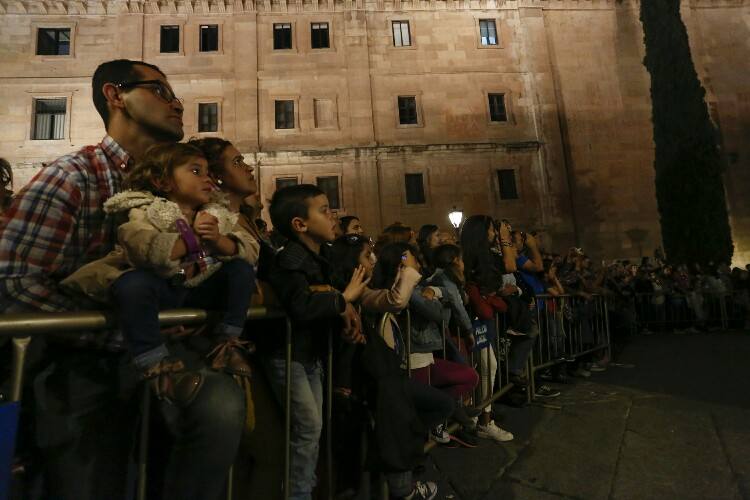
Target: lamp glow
x=456, y=216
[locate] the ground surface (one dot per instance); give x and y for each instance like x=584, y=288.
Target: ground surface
x=672, y=422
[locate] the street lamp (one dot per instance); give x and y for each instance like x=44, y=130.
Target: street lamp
x=456, y=216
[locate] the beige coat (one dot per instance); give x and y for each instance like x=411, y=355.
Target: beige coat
x=146, y=241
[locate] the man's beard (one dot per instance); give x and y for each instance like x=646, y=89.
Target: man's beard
x=157, y=132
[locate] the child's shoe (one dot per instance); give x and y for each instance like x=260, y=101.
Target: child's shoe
x=230, y=356
x=171, y=382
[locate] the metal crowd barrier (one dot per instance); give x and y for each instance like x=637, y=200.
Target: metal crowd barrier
x=726, y=311
x=23, y=326
x=569, y=327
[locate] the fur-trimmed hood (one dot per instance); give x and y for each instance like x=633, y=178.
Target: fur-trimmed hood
x=163, y=213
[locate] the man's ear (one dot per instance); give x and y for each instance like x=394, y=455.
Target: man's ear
x=113, y=97
x=299, y=225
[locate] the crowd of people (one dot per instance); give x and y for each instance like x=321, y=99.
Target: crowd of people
x=141, y=223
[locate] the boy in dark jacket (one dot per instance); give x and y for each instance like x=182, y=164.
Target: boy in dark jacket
x=301, y=278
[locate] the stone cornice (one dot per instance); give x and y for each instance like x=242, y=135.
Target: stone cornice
x=112, y=7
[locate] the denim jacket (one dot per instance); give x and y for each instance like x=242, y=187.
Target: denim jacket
x=453, y=299
x=427, y=317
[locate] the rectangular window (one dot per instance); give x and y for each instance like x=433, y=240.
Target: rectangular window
x=170, y=40
x=506, y=179
x=325, y=114
x=414, y=189
x=284, y=111
x=401, y=35
x=330, y=186
x=282, y=36
x=498, y=113
x=49, y=119
x=208, y=117
x=53, y=41
x=319, y=36
x=487, y=32
x=282, y=182
x=209, y=34
x=407, y=110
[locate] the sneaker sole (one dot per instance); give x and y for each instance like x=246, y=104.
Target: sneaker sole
x=496, y=440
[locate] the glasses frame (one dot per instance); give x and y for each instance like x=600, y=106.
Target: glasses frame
x=156, y=90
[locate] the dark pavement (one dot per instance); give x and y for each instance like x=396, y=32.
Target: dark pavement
x=672, y=421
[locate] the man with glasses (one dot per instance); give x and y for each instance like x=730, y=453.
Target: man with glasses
x=84, y=398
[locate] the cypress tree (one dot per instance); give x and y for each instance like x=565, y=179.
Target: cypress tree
x=688, y=160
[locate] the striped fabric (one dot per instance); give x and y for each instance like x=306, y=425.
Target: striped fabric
x=56, y=224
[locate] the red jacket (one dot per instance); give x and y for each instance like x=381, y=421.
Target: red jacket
x=485, y=306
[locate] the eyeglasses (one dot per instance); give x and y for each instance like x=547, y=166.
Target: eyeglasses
x=159, y=88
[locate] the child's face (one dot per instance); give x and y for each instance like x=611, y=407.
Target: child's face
x=191, y=185
x=366, y=260
x=320, y=224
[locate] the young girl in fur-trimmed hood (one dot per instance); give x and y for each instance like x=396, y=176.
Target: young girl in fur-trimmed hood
x=179, y=247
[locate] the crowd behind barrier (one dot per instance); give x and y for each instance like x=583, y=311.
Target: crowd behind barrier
x=407, y=342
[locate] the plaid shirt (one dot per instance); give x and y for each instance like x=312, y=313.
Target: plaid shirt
x=56, y=224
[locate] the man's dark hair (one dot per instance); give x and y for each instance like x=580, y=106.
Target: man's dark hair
x=117, y=71
x=290, y=202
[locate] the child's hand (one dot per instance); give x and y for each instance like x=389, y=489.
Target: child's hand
x=356, y=285
x=207, y=226
x=428, y=293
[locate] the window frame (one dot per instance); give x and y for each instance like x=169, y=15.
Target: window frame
x=335, y=119
x=278, y=177
x=499, y=184
x=392, y=34
x=418, y=107
x=328, y=37
x=505, y=107
x=33, y=116
x=180, y=39
x=499, y=27
x=339, y=188
x=204, y=101
x=292, y=30
x=425, y=198
x=36, y=26
x=497, y=36
x=219, y=29
x=295, y=111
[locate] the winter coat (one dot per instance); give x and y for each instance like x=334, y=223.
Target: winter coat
x=146, y=241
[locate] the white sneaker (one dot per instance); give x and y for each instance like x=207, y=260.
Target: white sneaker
x=440, y=435
x=492, y=431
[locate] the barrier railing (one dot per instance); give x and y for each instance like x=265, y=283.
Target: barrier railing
x=569, y=327
x=692, y=309
x=23, y=326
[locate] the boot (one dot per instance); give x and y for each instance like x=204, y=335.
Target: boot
x=230, y=356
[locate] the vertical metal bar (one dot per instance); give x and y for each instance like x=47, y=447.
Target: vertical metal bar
x=444, y=334
x=230, y=483
x=329, y=415
x=606, y=331
x=288, y=411
x=20, y=346
x=143, y=443
x=408, y=342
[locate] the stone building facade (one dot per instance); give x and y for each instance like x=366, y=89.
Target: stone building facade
x=537, y=111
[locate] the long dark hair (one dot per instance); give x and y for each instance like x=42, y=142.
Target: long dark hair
x=444, y=257
x=478, y=266
x=344, y=257
x=423, y=241
x=389, y=261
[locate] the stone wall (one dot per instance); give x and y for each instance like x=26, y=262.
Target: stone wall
x=578, y=135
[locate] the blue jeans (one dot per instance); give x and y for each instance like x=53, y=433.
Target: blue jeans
x=307, y=419
x=140, y=295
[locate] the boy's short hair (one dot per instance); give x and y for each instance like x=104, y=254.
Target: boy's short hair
x=157, y=166
x=290, y=202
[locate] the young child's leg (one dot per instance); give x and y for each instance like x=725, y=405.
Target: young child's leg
x=228, y=289
x=307, y=419
x=139, y=295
